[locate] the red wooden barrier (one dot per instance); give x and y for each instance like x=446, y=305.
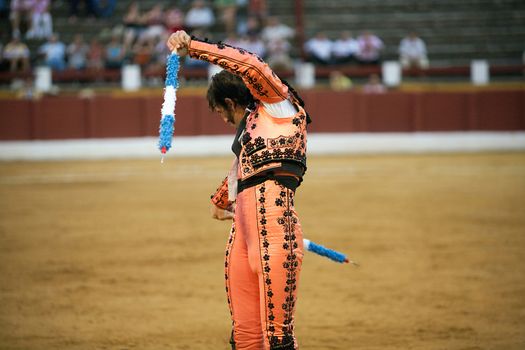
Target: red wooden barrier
x=104, y=116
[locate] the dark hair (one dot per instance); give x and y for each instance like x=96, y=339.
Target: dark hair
x=227, y=85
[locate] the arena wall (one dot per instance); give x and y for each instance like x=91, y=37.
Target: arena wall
x=56, y=118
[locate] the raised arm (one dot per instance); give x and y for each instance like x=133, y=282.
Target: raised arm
x=262, y=82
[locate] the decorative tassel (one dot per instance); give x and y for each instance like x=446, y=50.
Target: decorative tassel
x=167, y=121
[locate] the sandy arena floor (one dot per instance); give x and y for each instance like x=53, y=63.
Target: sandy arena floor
x=123, y=254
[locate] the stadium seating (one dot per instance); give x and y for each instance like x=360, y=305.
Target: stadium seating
x=455, y=32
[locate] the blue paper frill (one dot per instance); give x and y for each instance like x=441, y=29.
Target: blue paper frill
x=167, y=122
x=172, y=69
x=166, y=131
x=329, y=253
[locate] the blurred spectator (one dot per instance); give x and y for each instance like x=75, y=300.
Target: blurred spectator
x=370, y=47
x=374, y=85
x=154, y=21
x=133, y=23
x=253, y=44
x=252, y=27
x=114, y=53
x=413, y=52
x=228, y=12
x=54, y=52
x=77, y=53
x=199, y=16
x=41, y=22
x=345, y=48
x=89, y=8
x=20, y=11
x=160, y=53
x=339, y=81
x=258, y=8
x=275, y=30
x=319, y=49
x=17, y=54
x=278, y=56
x=142, y=52
x=95, y=55
x=104, y=8
x=174, y=20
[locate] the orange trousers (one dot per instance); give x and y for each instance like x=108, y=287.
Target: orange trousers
x=263, y=260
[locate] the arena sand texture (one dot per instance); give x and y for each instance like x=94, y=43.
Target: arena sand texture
x=124, y=255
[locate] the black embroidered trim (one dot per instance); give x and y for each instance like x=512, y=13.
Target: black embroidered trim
x=277, y=155
x=266, y=259
x=288, y=221
x=254, y=146
x=281, y=142
x=246, y=137
x=286, y=343
x=229, y=248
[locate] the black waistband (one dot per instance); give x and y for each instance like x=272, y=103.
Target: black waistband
x=289, y=182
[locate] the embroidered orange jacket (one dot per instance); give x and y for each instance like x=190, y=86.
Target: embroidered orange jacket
x=268, y=144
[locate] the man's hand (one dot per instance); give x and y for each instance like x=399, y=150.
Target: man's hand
x=220, y=214
x=180, y=41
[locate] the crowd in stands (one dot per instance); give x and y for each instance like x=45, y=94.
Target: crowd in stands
x=141, y=35
x=365, y=49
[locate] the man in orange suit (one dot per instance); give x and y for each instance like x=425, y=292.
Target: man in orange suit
x=265, y=248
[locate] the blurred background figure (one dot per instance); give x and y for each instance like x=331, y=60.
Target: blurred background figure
x=275, y=30
x=278, y=54
x=21, y=11
x=16, y=53
x=174, y=19
x=142, y=52
x=77, y=53
x=258, y=9
x=133, y=24
x=252, y=26
x=370, y=47
x=345, y=48
x=276, y=36
x=54, y=52
x=115, y=53
x=160, y=53
x=227, y=10
x=374, y=85
x=95, y=55
x=104, y=8
x=254, y=44
x=413, y=52
x=154, y=23
x=200, y=16
x=41, y=21
x=319, y=49
x=339, y=81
